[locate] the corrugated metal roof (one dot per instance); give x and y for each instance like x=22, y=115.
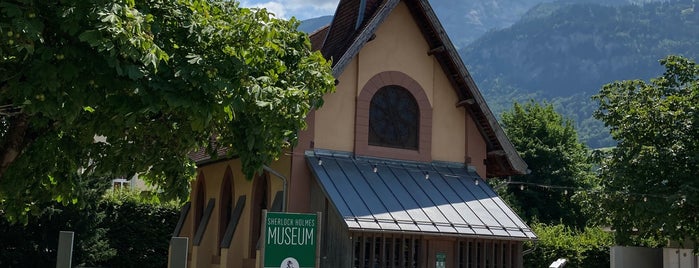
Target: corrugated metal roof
x=402, y=196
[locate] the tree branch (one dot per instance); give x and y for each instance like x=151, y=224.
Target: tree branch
x=14, y=141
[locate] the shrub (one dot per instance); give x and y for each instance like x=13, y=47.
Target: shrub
x=139, y=227
x=586, y=248
x=121, y=229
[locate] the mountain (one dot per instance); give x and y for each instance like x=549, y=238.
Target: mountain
x=467, y=20
x=564, y=53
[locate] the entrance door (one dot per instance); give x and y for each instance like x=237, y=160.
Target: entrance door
x=440, y=254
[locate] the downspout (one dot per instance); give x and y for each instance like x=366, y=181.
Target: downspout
x=280, y=176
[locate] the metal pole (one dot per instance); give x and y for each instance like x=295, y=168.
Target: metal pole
x=65, y=249
x=179, y=247
x=279, y=175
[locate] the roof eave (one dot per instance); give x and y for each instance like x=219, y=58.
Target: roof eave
x=363, y=37
x=464, y=82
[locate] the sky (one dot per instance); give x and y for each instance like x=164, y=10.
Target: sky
x=301, y=9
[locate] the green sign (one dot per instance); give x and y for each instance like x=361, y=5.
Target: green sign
x=441, y=260
x=290, y=240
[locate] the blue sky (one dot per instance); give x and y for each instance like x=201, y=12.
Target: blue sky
x=301, y=9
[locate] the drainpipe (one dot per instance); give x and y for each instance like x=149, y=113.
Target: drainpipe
x=280, y=176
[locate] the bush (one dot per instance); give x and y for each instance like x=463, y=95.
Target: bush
x=139, y=229
x=587, y=248
x=121, y=229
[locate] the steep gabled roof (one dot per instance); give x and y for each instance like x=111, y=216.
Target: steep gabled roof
x=355, y=23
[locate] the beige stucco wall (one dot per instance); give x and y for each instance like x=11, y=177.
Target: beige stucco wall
x=476, y=147
x=240, y=246
x=334, y=122
x=399, y=46
x=449, y=123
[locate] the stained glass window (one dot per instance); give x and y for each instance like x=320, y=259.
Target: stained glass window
x=394, y=119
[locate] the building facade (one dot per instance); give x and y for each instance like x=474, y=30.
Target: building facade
x=395, y=159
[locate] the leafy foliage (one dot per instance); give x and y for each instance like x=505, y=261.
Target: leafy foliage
x=120, y=230
x=153, y=80
x=548, y=143
x=586, y=248
x=139, y=229
x=565, y=52
x=34, y=242
x=650, y=177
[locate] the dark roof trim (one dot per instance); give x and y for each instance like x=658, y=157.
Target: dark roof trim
x=363, y=37
x=454, y=59
x=233, y=222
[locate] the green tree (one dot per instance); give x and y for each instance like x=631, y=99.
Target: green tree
x=559, y=165
x=586, y=247
x=156, y=80
x=649, y=179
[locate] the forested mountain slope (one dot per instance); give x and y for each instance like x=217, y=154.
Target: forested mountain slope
x=467, y=20
x=566, y=52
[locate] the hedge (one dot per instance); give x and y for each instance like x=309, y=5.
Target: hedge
x=120, y=229
x=582, y=248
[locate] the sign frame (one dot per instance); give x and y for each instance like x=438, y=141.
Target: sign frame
x=263, y=233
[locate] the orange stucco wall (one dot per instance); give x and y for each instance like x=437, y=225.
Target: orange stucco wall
x=400, y=46
x=213, y=174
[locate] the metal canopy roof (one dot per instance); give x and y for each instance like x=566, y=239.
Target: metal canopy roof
x=375, y=194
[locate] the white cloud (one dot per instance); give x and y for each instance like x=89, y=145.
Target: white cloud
x=301, y=9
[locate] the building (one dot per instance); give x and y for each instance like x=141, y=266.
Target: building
x=394, y=160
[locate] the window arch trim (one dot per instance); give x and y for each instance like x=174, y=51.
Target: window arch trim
x=226, y=197
x=199, y=201
x=361, y=137
x=260, y=200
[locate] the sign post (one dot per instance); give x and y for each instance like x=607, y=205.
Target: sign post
x=64, y=256
x=290, y=240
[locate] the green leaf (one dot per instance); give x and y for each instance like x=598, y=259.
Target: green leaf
x=92, y=37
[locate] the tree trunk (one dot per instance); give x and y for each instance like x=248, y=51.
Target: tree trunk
x=14, y=142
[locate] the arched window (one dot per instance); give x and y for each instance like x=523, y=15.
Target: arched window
x=226, y=204
x=260, y=201
x=199, y=201
x=394, y=119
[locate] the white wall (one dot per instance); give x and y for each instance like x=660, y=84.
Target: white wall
x=679, y=258
x=636, y=257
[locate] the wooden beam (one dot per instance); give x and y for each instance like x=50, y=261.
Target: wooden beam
x=466, y=102
x=439, y=49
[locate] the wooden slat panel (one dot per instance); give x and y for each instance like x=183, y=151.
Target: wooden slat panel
x=482, y=253
x=372, y=253
x=402, y=252
x=383, y=262
x=507, y=252
x=362, y=252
